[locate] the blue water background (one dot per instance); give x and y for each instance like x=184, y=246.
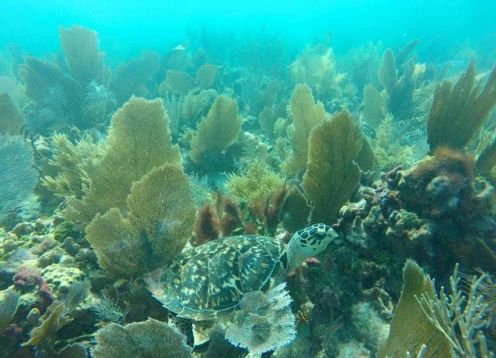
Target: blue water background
x=126, y=27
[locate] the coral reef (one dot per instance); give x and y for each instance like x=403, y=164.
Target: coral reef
x=245, y=134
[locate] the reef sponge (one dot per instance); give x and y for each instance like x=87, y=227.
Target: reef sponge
x=458, y=111
x=332, y=174
x=148, y=339
x=264, y=322
x=82, y=55
x=159, y=221
x=306, y=115
x=17, y=174
x=11, y=119
x=216, y=132
x=139, y=140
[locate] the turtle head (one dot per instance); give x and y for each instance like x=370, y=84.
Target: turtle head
x=308, y=242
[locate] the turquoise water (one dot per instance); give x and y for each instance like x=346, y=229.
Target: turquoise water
x=130, y=25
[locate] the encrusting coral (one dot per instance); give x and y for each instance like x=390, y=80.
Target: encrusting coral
x=332, y=174
x=458, y=111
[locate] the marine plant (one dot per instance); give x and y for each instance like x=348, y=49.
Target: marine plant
x=458, y=110
x=150, y=339
x=332, y=174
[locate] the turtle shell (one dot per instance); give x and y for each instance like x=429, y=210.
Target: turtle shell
x=210, y=280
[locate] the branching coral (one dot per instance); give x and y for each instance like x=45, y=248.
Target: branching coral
x=150, y=339
x=332, y=174
x=316, y=67
x=458, y=111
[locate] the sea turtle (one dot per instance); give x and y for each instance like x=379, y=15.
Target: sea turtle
x=209, y=280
